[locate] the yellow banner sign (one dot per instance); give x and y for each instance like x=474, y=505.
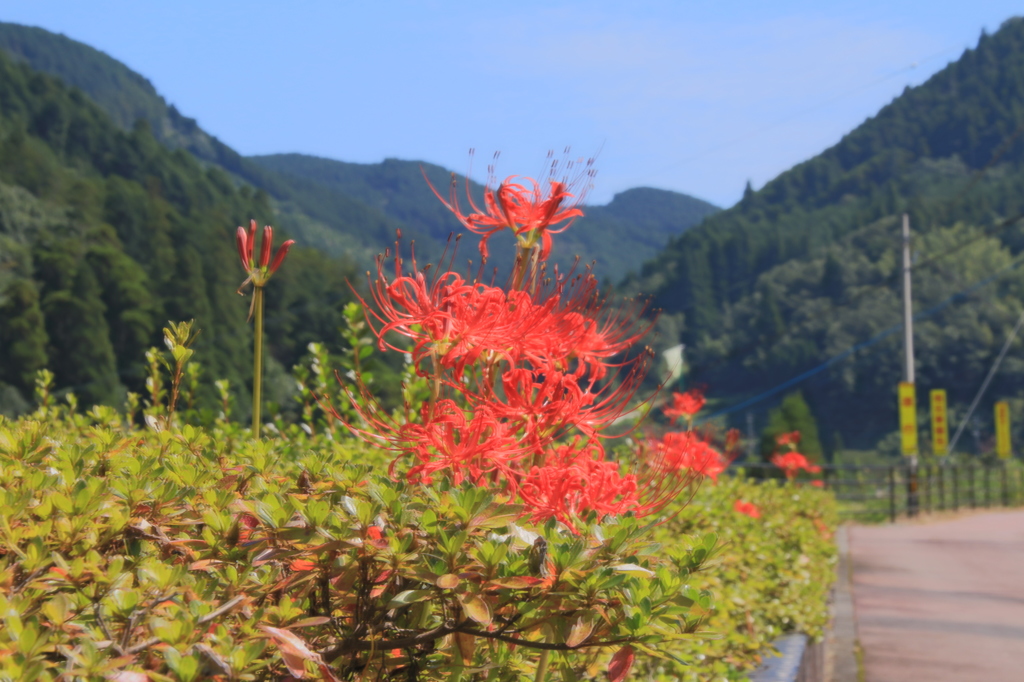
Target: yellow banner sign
x=908, y=418
x=1003, y=429
x=940, y=423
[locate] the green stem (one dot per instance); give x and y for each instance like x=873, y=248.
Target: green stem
x=542, y=666
x=257, y=368
x=521, y=266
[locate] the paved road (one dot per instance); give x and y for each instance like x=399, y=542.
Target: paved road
x=941, y=600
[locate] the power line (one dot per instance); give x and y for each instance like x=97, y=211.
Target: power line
x=984, y=384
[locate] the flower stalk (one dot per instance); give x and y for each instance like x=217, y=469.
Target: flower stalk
x=259, y=274
x=257, y=367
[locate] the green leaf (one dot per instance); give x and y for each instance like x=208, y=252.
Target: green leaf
x=408, y=597
x=633, y=569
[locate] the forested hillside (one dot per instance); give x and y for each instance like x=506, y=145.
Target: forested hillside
x=347, y=208
x=806, y=266
x=105, y=235
x=618, y=236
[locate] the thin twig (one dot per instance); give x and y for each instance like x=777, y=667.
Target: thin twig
x=351, y=646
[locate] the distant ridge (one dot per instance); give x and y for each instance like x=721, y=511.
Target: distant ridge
x=338, y=207
x=805, y=267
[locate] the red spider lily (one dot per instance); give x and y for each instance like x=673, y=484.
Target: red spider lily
x=259, y=272
x=792, y=463
x=685, y=404
x=732, y=444
x=748, y=508
x=577, y=480
x=529, y=211
x=791, y=438
x=548, y=403
x=818, y=483
x=685, y=450
x=477, y=447
x=564, y=326
x=523, y=380
x=672, y=464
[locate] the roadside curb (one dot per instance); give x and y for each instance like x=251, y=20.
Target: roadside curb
x=835, y=658
x=842, y=644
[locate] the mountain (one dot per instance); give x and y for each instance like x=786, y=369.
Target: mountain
x=348, y=208
x=123, y=94
x=105, y=234
x=618, y=236
x=808, y=265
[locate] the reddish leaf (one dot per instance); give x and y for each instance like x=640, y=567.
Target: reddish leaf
x=580, y=631
x=293, y=650
x=476, y=608
x=466, y=645
x=327, y=673
x=621, y=664
x=448, y=581
x=204, y=564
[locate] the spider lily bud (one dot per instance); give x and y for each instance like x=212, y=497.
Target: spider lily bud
x=265, y=246
x=242, y=241
x=250, y=245
x=259, y=271
x=279, y=256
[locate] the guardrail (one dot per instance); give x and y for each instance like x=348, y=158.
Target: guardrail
x=879, y=492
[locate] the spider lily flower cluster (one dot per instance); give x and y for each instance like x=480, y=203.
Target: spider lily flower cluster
x=524, y=380
x=792, y=462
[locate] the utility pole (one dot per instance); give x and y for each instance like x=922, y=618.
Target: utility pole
x=908, y=307
x=908, y=359
x=751, y=445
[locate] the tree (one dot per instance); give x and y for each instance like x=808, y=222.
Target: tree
x=794, y=414
x=81, y=352
x=23, y=337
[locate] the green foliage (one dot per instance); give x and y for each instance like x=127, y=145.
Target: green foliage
x=794, y=414
x=619, y=236
x=803, y=268
x=191, y=553
x=856, y=398
x=346, y=208
x=23, y=338
x=771, y=577
x=103, y=233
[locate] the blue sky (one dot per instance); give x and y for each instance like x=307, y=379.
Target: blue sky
x=696, y=97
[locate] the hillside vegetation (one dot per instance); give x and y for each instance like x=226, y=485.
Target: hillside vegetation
x=106, y=234
x=807, y=266
x=347, y=208
x=618, y=236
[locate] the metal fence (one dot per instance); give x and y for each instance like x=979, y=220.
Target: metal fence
x=877, y=493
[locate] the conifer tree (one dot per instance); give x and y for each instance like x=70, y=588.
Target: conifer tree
x=23, y=338
x=82, y=357
x=794, y=414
